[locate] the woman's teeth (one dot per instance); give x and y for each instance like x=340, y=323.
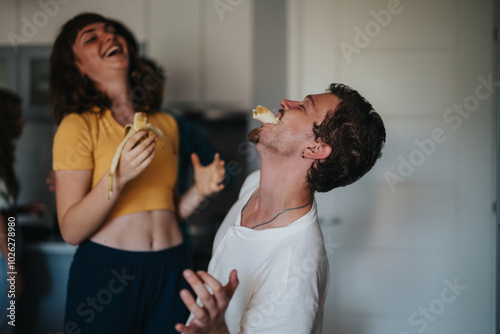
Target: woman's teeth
x=112, y=51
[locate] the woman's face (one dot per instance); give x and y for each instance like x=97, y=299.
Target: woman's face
x=100, y=53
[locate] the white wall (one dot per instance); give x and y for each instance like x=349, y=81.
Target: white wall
x=393, y=245
x=38, y=22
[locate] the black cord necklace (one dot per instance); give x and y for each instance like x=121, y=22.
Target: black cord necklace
x=279, y=213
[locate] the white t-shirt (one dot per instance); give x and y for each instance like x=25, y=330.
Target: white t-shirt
x=282, y=272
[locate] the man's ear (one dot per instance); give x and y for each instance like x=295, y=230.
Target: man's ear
x=318, y=152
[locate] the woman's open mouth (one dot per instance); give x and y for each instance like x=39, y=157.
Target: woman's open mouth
x=112, y=51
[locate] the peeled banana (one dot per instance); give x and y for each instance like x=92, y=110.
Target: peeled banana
x=265, y=115
x=140, y=123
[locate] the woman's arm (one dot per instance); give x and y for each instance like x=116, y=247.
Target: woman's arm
x=207, y=182
x=81, y=211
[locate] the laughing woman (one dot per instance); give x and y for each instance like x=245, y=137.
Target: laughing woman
x=126, y=273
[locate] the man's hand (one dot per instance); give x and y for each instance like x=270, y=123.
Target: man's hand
x=207, y=179
x=208, y=318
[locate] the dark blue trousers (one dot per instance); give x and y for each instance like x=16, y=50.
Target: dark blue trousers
x=116, y=291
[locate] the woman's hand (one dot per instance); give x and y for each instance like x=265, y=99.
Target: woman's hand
x=208, y=178
x=81, y=211
x=135, y=159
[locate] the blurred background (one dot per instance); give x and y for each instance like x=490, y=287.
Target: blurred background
x=413, y=246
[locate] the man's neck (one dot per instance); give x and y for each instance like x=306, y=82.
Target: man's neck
x=283, y=178
x=282, y=186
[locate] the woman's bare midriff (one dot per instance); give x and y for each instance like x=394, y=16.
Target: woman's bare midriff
x=141, y=231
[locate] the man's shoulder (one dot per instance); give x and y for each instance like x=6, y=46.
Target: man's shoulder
x=308, y=239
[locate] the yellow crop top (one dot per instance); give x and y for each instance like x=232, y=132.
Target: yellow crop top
x=88, y=141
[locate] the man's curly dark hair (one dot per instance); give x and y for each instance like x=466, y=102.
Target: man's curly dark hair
x=356, y=134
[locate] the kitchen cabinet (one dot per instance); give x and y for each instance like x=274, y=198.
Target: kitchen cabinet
x=8, y=77
x=26, y=73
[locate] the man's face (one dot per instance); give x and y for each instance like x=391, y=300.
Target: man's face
x=295, y=129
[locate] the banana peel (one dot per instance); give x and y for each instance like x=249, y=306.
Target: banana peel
x=265, y=115
x=140, y=123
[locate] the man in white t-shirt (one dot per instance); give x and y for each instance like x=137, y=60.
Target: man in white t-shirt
x=269, y=270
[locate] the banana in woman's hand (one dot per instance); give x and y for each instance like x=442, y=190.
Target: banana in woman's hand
x=140, y=123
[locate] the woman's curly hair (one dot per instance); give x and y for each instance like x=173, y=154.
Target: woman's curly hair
x=70, y=92
x=356, y=134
